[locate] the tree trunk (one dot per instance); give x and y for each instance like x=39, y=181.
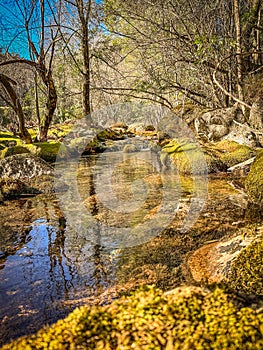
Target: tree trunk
x=50, y=105
x=239, y=53
x=84, y=20
x=24, y=134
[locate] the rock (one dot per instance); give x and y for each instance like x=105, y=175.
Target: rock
x=10, y=151
x=212, y=262
x=228, y=124
x=241, y=168
x=149, y=128
x=188, y=155
x=109, y=134
x=214, y=124
x=254, y=181
x=242, y=134
x=233, y=153
x=130, y=148
x=246, y=272
x=24, y=166
x=14, y=188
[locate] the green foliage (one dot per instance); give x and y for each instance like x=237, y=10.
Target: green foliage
x=246, y=272
x=186, y=318
x=254, y=181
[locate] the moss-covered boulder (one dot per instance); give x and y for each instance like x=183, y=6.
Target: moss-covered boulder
x=246, y=273
x=185, y=318
x=10, y=151
x=14, y=188
x=48, y=150
x=188, y=157
x=185, y=154
x=233, y=152
x=254, y=181
x=109, y=134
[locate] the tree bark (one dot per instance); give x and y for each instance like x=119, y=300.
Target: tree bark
x=84, y=21
x=239, y=52
x=6, y=82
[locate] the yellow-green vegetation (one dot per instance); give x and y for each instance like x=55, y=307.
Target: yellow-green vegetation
x=246, y=272
x=233, y=152
x=48, y=150
x=186, y=156
x=218, y=156
x=12, y=145
x=60, y=130
x=254, y=181
x=186, y=318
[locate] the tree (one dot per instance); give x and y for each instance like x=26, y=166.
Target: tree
x=14, y=103
x=35, y=17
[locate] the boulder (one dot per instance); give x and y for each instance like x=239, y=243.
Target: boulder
x=212, y=262
x=254, y=181
x=24, y=166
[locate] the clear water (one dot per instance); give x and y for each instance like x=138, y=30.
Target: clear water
x=47, y=268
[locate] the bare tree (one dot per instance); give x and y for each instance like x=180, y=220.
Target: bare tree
x=14, y=103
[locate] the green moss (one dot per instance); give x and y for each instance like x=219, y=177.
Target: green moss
x=218, y=156
x=48, y=150
x=233, y=152
x=109, y=134
x=254, y=181
x=60, y=130
x=185, y=156
x=246, y=272
x=15, y=150
x=187, y=318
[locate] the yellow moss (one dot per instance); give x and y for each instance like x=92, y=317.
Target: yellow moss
x=186, y=156
x=254, y=181
x=186, y=318
x=233, y=152
x=48, y=150
x=246, y=272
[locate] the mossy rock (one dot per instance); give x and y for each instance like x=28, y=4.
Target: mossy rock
x=14, y=188
x=11, y=188
x=233, y=152
x=185, y=318
x=94, y=146
x=10, y=151
x=109, y=134
x=246, y=273
x=218, y=156
x=130, y=148
x=254, y=181
x=187, y=157
x=48, y=150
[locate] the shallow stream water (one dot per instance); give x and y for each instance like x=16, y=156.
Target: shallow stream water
x=48, y=266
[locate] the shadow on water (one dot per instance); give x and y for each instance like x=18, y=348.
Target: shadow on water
x=47, y=268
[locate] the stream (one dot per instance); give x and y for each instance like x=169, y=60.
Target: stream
x=48, y=267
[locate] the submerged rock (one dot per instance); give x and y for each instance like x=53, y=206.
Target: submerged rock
x=212, y=262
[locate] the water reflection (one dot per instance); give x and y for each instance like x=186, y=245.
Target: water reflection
x=47, y=268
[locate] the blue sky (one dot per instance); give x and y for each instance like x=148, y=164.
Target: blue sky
x=12, y=33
